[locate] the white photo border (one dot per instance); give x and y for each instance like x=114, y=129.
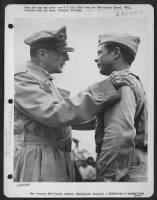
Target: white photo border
x=74, y=189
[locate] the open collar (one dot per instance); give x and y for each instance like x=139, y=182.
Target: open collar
x=38, y=71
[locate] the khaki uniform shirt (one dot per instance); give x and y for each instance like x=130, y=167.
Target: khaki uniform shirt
x=116, y=133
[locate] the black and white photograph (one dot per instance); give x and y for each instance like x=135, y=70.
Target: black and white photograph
x=82, y=84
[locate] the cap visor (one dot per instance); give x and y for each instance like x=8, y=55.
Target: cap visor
x=66, y=49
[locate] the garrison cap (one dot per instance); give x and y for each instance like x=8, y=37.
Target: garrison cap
x=129, y=41
x=49, y=39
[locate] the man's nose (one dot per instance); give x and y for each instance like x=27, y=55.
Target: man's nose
x=96, y=60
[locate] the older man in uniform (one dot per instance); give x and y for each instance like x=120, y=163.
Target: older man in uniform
x=121, y=129
x=44, y=114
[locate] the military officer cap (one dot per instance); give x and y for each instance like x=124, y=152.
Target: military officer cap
x=49, y=39
x=129, y=41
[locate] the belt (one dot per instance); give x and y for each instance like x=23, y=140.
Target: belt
x=64, y=144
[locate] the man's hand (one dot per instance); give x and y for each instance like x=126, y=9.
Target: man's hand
x=120, y=78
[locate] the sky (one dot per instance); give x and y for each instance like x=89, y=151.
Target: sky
x=83, y=33
x=81, y=70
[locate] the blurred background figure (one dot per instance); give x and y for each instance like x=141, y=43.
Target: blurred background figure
x=91, y=162
x=79, y=152
x=85, y=162
x=87, y=170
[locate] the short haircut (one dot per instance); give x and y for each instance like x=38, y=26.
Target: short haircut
x=127, y=53
x=33, y=50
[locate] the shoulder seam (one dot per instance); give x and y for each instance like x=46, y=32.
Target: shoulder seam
x=28, y=75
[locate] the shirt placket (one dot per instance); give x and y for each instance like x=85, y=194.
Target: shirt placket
x=54, y=89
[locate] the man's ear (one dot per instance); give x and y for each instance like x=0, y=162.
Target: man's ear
x=117, y=52
x=41, y=53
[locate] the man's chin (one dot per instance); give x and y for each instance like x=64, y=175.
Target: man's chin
x=56, y=72
x=103, y=72
x=59, y=70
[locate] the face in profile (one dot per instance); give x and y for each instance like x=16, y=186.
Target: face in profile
x=104, y=60
x=54, y=61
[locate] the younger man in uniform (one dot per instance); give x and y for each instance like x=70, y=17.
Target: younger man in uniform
x=122, y=124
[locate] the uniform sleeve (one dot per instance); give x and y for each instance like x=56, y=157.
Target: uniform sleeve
x=32, y=100
x=118, y=143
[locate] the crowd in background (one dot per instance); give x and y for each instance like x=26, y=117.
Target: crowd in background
x=85, y=163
